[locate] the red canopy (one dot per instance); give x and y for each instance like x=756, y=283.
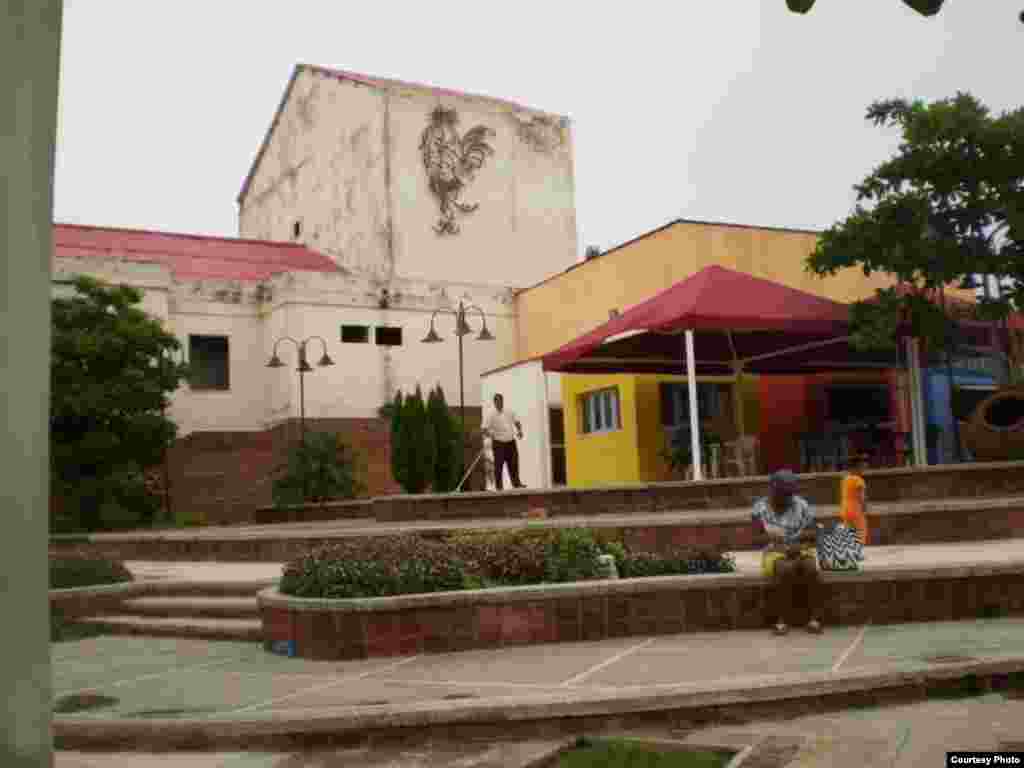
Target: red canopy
x=738, y=317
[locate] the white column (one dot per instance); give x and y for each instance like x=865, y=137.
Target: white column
x=30, y=34
x=917, y=421
x=545, y=439
x=691, y=381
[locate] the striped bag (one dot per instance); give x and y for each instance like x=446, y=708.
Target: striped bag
x=839, y=548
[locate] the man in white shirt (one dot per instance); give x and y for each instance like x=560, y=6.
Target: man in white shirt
x=503, y=428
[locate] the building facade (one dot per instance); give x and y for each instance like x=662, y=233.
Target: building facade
x=398, y=180
x=646, y=411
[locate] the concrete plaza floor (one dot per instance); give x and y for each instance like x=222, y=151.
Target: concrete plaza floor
x=178, y=678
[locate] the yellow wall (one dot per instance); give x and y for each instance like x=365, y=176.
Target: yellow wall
x=632, y=454
x=607, y=458
x=570, y=304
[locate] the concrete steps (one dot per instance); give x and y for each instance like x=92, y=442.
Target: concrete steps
x=195, y=628
x=193, y=607
x=225, y=610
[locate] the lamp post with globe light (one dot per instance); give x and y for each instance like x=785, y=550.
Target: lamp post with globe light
x=303, y=368
x=462, y=328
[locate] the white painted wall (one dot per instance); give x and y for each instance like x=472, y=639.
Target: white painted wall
x=345, y=160
x=523, y=387
x=525, y=227
x=326, y=166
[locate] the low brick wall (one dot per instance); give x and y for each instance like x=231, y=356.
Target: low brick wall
x=884, y=485
x=457, y=621
x=311, y=513
x=904, y=524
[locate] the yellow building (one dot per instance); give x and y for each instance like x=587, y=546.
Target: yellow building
x=615, y=428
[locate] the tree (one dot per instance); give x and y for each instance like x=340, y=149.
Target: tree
x=413, y=447
x=924, y=7
x=949, y=205
x=448, y=459
x=393, y=412
x=109, y=380
x=321, y=468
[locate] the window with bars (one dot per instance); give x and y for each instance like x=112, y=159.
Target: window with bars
x=599, y=411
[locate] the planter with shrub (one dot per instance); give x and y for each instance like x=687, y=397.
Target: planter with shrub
x=410, y=594
x=412, y=564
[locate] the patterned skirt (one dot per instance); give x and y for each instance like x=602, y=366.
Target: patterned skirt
x=839, y=548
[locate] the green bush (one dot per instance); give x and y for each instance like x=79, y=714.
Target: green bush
x=573, y=556
x=374, y=567
x=447, y=443
x=320, y=468
x=503, y=557
x=68, y=571
x=407, y=564
x=638, y=564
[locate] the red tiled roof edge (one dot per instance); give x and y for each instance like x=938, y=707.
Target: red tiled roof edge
x=219, y=263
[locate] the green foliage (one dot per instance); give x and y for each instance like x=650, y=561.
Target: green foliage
x=572, y=556
x=447, y=443
x=503, y=557
x=393, y=412
x=392, y=565
x=373, y=567
x=637, y=564
x=413, y=443
x=110, y=376
x=679, y=455
x=321, y=468
x=81, y=570
x=626, y=753
x=947, y=206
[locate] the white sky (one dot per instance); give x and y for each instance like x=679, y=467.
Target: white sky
x=725, y=110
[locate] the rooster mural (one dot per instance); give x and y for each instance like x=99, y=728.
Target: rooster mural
x=451, y=163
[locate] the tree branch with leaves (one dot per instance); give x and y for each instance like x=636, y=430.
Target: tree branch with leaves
x=947, y=206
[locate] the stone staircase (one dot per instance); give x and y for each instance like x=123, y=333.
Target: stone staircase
x=208, y=611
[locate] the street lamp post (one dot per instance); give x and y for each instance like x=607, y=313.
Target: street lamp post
x=303, y=368
x=462, y=328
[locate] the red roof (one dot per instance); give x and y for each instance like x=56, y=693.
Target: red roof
x=190, y=257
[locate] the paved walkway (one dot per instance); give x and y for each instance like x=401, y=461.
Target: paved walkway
x=369, y=526
x=177, y=678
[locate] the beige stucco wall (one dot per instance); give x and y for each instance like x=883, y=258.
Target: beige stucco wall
x=302, y=305
x=525, y=226
x=326, y=166
x=345, y=159
x=565, y=306
x=367, y=375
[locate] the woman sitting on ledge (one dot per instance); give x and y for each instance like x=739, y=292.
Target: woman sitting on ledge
x=785, y=525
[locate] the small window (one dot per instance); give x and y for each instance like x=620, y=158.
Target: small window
x=388, y=336
x=208, y=362
x=675, y=403
x=599, y=411
x=355, y=334
x=297, y=229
